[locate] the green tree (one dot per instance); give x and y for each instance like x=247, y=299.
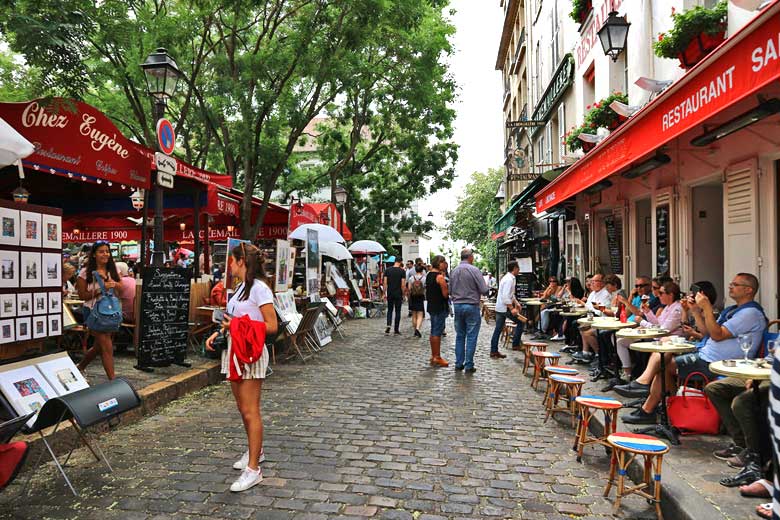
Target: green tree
x=477, y=210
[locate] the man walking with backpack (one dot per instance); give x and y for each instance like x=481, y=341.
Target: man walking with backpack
x=416, y=285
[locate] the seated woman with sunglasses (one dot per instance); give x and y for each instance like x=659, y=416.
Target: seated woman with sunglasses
x=100, y=261
x=251, y=304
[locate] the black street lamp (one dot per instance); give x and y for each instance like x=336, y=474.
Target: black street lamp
x=162, y=76
x=340, y=194
x=613, y=35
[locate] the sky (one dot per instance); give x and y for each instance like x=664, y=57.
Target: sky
x=479, y=117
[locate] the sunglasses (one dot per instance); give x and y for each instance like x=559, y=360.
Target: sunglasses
x=640, y=285
x=102, y=243
x=656, y=288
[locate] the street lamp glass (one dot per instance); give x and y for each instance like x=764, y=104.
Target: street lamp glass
x=162, y=74
x=340, y=194
x=613, y=35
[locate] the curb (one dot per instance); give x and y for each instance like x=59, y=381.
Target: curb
x=153, y=397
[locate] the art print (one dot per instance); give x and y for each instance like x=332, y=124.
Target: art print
x=39, y=326
x=55, y=324
x=52, y=269
x=9, y=269
x=52, y=231
x=9, y=227
x=62, y=374
x=23, y=329
x=40, y=303
x=282, y=258
x=30, y=274
x=7, y=331
x=55, y=302
x=31, y=229
x=322, y=330
x=24, y=304
x=26, y=389
x=7, y=305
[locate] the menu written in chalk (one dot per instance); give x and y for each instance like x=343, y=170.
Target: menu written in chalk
x=615, y=243
x=165, y=309
x=662, y=239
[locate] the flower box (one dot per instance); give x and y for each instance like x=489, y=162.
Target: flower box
x=699, y=47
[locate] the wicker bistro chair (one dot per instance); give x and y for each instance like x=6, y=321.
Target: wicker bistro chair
x=587, y=405
x=528, y=347
x=625, y=448
x=542, y=359
x=558, y=383
x=556, y=369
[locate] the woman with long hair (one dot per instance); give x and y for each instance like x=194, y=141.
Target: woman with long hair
x=416, y=286
x=100, y=261
x=253, y=298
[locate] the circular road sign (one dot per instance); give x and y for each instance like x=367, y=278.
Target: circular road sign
x=165, y=136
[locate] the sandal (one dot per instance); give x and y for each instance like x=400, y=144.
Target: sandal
x=758, y=489
x=746, y=475
x=764, y=510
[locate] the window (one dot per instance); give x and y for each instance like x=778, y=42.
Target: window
x=555, y=47
x=561, y=132
x=538, y=74
x=548, y=133
x=540, y=157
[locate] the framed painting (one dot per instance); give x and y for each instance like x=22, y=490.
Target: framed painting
x=7, y=331
x=55, y=324
x=40, y=303
x=9, y=227
x=7, y=305
x=30, y=226
x=55, y=302
x=39, y=326
x=23, y=329
x=61, y=373
x=26, y=390
x=30, y=272
x=24, y=304
x=9, y=269
x=51, y=269
x=52, y=232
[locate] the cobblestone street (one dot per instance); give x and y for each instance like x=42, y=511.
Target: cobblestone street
x=365, y=429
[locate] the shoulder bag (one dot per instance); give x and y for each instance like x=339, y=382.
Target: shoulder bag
x=106, y=315
x=692, y=412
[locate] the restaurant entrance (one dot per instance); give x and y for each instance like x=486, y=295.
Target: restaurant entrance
x=707, y=235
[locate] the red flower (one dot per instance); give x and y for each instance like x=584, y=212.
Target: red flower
x=661, y=37
x=588, y=107
x=673, y=11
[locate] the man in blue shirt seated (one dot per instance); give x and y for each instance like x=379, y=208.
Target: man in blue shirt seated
x=720, y=340
x=643, y=288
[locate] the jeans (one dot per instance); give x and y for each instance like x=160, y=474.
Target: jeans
x=737, y=408
x=467, y=321
x=394, y=304
x=501, y=318
x=438, y=321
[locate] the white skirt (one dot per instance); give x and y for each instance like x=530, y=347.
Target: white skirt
x=254, y=370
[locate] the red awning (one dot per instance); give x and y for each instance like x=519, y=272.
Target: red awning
x=188, y=171
x=310, y=213
x=741, y=66
x=73, y=139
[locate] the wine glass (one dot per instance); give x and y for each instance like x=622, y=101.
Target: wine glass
x=771, y=345
x=745, y=342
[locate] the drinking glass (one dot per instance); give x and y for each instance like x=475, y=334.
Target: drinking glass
x=771, y=345
x=745, y=342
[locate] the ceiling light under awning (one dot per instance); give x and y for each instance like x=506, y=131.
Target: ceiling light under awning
x=763, y=110
x=651, y=164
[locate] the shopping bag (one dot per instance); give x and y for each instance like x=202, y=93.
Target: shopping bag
x=692, y=412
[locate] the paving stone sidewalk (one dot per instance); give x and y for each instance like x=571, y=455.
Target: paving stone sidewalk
x=366, y=429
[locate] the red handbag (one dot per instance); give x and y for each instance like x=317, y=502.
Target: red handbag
x=692, y=414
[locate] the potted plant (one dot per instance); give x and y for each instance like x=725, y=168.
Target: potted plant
x=695, y=34
x=573, y=141
x=602, y=115
x=580, y=10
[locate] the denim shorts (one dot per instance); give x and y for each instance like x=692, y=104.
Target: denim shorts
x=690, y=363
x=438, y=319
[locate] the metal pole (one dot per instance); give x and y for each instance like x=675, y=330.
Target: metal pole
x=142, y=259
x=158, y=256
x=196, y=234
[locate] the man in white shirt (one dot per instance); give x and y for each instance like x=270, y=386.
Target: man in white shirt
x=507, y=308
x=599, y=295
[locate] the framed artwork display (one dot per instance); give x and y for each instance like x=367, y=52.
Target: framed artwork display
x=52, y=231
x=7, y=331
x=52, y=270
x=24, y=304
x=9, y=269
x=55, y=324
x=30, y=226
x=30, y=272
x=68, y=320
x=62, y=374
x=23, y=329
x=55, y=302
x=7, y=305
x=39, y=326
x=40, y=303
x=9, y=227
x=26, y=390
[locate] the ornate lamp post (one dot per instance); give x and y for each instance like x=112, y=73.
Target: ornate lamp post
x=162, y=76
x=340, y=194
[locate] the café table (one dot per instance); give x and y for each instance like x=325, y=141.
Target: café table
x=611, y=325
x=756, y=370
x=582, y=311
x=663, y=428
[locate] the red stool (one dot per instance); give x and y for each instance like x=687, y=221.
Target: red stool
x=542, y=359
x=587, y=405
x=528, y=347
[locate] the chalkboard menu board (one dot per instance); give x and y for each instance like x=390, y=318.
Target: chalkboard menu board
x=662, y=240
x=615, y=243
x=525, y=285
x=165, y=309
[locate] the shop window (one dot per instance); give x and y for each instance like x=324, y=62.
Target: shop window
x=588, y=87
x=561, y=132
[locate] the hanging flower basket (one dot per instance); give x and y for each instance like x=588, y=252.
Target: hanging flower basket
x=580, y=10
x=698, y=48
x=586, y=147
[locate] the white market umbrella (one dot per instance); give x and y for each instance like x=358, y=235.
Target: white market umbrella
x=13, y=146
x=367, y=246
x=335, y=251
x=324, y=233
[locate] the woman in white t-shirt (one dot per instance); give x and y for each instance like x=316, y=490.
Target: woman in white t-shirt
x=252, y=298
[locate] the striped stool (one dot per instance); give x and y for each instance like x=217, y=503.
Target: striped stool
x=625, y=448
x=528, y=347
x=587, y=404
x=555, y=369
x=557, y=384
x=509, y=332
x=541, y=359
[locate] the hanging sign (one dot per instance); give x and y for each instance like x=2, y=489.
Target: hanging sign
x=166, y=137
x=165, y=163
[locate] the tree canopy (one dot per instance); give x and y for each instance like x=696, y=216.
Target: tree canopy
x=477, y=210
x=255, y=73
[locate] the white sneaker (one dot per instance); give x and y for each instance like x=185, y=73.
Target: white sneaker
x=557, y=337
x=248, y=479
x=241, y=463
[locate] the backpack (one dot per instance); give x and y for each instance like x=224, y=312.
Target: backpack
x=106, y=316
x=417, y=289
